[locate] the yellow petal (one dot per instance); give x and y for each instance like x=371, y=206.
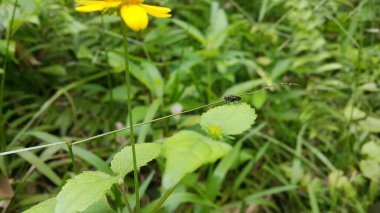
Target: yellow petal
x=92, y=6
x=134, y=16
x=159, y=12
x=88, y=2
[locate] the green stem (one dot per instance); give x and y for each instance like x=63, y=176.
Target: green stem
x=163, y=199
x=70, y=147
x=132, y=135
x=2, y=85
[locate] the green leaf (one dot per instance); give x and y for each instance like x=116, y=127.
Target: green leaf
x=116, y=61
x=215, y=180
x=371, y=124
x=186, y=151
x=217, y=31
x=372, y=150
x=149, y=115
x=370, y=169
x=119, y=93
x=244, y=87
x=84, y=53
x=41, y=166
x=229, y=119
x=259, y=99
x=275, y=190
x=193, y=31
x=353, y=113
x=46, y=206
x=82, y=191
x=56, y=70
x=122, y=163
x=100, y=206
x=84, y=154
x=150, y=76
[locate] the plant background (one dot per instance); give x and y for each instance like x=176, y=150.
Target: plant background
x=305, y=153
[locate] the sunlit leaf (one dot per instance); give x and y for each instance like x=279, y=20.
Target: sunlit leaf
x=186, y=151
x=370, y=169
x=46, y=206
x=83, y=190
x=371, y=150
x=231, y=119
x=122, y=163
x=371, y=124
x=353, y=113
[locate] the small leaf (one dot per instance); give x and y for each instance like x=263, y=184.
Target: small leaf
x=46, y=206
x=122, y=163
x=186, y=151
x=82, y=191
x=232, y=119
x=372, y=150
x=56, y=70
x=353, y=113
x=193, y=31
x=371, y=124
x=370, y=169
x=84, y=53
x=259, y=99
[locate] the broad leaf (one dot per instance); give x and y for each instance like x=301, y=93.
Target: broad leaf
x=186, y=151
x=46, y=206
x=122, y=163
x=83, y=190
x=229, y=119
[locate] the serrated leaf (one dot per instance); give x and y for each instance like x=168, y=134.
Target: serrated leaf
x=371, y=150
x=82, y=191
x=232, y=119
x=122, y=163
x=186, y=151
x=46, y=206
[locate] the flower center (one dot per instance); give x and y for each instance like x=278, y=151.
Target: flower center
x=215, y=132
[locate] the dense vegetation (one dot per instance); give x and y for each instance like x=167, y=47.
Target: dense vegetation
x=313, y=148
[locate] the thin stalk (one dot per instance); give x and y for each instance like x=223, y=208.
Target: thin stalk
x=2, y=85
x=70, y=147
x=163, y=199
x=129, y=102
x=123, y=191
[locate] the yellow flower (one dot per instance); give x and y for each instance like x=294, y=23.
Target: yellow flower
x=215, y=132
x=133, y=12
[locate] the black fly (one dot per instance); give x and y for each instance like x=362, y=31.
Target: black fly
x=232, y=98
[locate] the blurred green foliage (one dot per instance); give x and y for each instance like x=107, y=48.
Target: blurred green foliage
x=308, y=151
